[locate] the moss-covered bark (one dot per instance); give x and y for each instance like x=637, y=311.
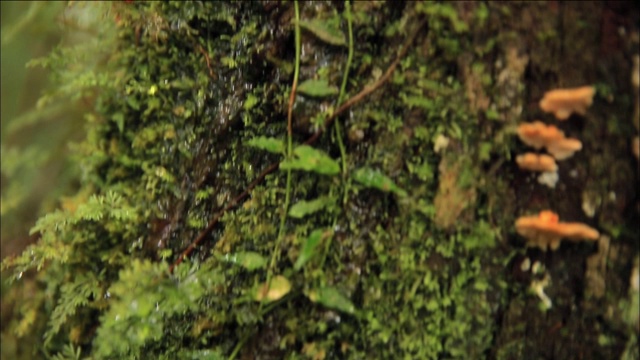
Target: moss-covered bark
x=400, y=243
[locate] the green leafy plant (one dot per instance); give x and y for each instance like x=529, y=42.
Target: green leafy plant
x=317, y=88
x=310, y=245
x=185, y=242
x=310, y=159
x=375, y=179
x=303, y=208
x=269, y=144
x=326, y=31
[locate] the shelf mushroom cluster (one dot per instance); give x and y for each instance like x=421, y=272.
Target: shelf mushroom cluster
x=562, y=103
x=545, y=230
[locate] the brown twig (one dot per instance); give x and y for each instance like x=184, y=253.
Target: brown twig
x=292, y=99
x=219, y=214
x=207, y=59
x=369, y=88
x=313, y=138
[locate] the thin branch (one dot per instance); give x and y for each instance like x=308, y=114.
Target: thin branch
x=369, y=88
x=207, y=59
x=234, y=202
x=287, y=199
x=343, y=87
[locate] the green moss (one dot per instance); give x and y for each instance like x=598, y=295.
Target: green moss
x=158, y=134
x=409, y=265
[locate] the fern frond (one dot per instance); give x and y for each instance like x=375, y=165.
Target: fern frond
x=73, y=295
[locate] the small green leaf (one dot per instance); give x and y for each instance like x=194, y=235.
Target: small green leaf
x=133, y=102
x=119, y=119
x=272, y=145
x=375, y=179
x=304, y=208
x=250, y=102
x=249, y=260
x=310, y=245
x=417, y=102
x=445, y=11
x=324, y=31
x=317, y=88
x=310, y=159
x=333, y=299
x=278, y=288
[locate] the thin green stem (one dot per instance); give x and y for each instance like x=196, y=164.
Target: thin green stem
x=338, y=130
x=366, y=91
x=345, y=77
x=343, y=150
x=238, y=347
x=343, y=87
x=292, y=99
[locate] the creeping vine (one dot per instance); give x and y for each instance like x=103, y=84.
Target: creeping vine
x=367, y=90
x=338, y=131
x=292, y=100
x=343, y=153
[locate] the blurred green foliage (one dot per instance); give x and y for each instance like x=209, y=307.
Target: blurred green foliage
x=36, y=169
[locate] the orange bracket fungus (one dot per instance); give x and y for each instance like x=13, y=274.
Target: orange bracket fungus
x=564, y=148
x=545, y=231
x=563, y=102
x=540, y=162
x=536, y=162
x=537, y=134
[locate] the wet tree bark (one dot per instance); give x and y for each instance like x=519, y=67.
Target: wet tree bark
x=561, y=45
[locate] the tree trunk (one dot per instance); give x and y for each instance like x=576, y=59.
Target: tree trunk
x=378, y=222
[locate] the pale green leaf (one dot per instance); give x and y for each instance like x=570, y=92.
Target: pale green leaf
x=375, y=179
x=310, y=245
x=310, y=159
x=304, y=208
x=333, y=299
x=249, y=260
x=324, y=31
x=250, y=102
x=266, y=143
x=317, y=88
x=279, y=287
x=119, y=119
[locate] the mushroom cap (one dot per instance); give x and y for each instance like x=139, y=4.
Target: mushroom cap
x=578, y=231
x=564, y=148
x=563, y=102
x=544, y=230
x=537, y=162
x=537, y=134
